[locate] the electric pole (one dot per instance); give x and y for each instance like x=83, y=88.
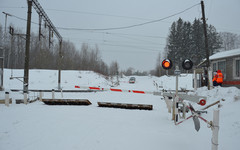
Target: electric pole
x=59, y=64
x=206, y=41
x=3, y=49
x=52, y=30
x=28, y=34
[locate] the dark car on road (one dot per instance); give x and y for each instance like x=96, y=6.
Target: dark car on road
x=132, y=80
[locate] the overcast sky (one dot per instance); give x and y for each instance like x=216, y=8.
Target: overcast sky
x=136, y=47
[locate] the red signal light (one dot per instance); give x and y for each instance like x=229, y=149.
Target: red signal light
x=167, y=64
x=202, y=102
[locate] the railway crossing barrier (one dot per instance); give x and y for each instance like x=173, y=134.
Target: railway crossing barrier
x=214, y=125
x=66, y=101
x=125, y=105
x=115, y=90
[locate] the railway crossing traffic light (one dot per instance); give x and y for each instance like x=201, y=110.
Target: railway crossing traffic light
x=167, y=64
x=187, y=64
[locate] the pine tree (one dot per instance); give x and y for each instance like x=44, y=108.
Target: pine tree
x=198, y=49
x=179, y=41
x=186, y=40
x=174, y=39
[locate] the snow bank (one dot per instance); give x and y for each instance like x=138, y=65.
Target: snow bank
x=39, y=126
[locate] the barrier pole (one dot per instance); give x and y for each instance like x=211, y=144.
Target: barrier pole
x=25, y=97
x=173, y=109
x=215, y=129
x=210, y=78
x=184, y=111
x=40, y=95
x=62, y=93
x=176, y=110
x=53, y=94
x=195, y=81
x=169, y=103
x=176, y=98
x=7, y=98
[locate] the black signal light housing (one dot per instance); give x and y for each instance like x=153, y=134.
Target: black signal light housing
x=187, y=64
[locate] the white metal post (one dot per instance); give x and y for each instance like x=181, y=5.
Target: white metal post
x=62, y=93
x=175, y=99
x=40, y=95
x=215, y=129
x=210, y=78
x=53, y=94
x=195, y=80
x=184, y=110
x=7, y=98
x=25, y=97
x=169, y=103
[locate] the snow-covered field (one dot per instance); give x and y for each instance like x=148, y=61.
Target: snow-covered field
x=37, y=126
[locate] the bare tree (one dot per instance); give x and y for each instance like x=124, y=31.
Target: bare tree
x=230, y=40
x=114, y=67
x=44, y=53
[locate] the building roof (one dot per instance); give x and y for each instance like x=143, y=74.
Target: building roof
x=225, y=54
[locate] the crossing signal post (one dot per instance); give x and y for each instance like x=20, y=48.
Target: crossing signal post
x=214, y=125
x=187, y=65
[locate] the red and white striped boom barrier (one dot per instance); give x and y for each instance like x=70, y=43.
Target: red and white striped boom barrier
x=116, y=90
x=201, y=100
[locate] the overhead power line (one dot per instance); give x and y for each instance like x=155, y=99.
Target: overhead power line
x=23, y=19
x=125, y=35
x=131, y=26
x=85, y=12
x=137, y=35
x=118, y=28
x=42, y=13
x=97, y=14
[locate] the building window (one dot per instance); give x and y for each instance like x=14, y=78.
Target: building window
x=214, y=67
x=236, y=69
x=220, y=65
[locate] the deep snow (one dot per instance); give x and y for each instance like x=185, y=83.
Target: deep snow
x=39, y=126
